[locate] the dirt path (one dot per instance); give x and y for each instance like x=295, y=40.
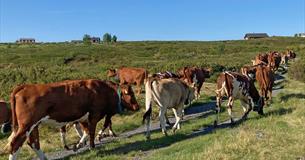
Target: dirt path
x=203, y=110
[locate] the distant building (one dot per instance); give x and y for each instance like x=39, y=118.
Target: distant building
x=25, y=40
x=299, y=35
x=95, y=39
x=255, y=35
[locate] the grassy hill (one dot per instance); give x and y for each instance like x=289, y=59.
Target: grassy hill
x=43, y=63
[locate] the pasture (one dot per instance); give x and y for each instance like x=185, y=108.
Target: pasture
x=277, y=135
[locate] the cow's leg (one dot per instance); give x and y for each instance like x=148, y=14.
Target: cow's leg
x=270, y=94
x=229, y=106
x=166, y=120
x=178, y=115
x=111, y=133
x=93, y=120
x=78, y=129
x=217, y=110
x=138, y=88
x=63, y=137
x=249, y=104
x=33, y=142
x=16, y=143
x=84, y=138
x=107, y=124
x=162, y=119
x=198, y=90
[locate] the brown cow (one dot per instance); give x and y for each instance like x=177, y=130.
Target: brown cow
x=274, y=60
x=5, y=117
x=130, y=75
x=85, y=101
x=195, y=75
x=265, y=78
x=236, y=86
x=291, y=54
x=263, y=75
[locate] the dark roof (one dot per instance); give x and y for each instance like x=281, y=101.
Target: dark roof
x=256, y=35
x=27, y=39
x=96, y=38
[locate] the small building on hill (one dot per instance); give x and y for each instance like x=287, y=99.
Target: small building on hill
x=255, y=35
x=95, y=39
x=25, y=40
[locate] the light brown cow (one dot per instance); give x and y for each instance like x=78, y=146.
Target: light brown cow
x=5, y=117
x=265, y=78
x=168, y=93
x=195, y=75
x=129, y=75
x=236, y=86
x=85, y=101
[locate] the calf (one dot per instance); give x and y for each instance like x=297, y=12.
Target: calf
x=169, y=93
x=236, y=86
x=84, y=101
x=129, y=75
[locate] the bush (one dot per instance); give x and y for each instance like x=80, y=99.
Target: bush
x=297, y=70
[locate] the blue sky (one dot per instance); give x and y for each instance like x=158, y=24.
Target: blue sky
x=63, y=20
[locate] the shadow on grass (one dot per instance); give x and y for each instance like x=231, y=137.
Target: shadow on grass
x=293, y=95
x=165, y=141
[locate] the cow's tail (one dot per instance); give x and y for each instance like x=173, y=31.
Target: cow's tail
x=148, y=99
x=14, y=117
x=145, y=76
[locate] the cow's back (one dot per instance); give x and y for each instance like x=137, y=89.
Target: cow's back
x=63, y=101
x=264, y=76
x=170, y=91
x=132, y=75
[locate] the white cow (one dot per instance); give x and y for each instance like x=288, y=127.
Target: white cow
x=167, y=94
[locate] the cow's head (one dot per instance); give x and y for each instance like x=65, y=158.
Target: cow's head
x=257, y=99
x=111, y=73
x=207, y=72
x=128, y=98
x=248, y=71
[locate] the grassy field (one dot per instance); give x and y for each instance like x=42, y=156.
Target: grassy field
x=278, y=135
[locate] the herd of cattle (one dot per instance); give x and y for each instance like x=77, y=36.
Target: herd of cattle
x=85, y=102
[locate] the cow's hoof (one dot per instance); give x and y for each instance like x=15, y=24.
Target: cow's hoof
x=66, y=147
x=232, y=122
x=147, y=138
x=215, y=124
x=75, y=148
x=113, y=135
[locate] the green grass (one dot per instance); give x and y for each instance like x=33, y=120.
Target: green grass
x=43, y=63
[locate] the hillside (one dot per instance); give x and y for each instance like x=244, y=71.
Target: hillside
x=43, y=63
